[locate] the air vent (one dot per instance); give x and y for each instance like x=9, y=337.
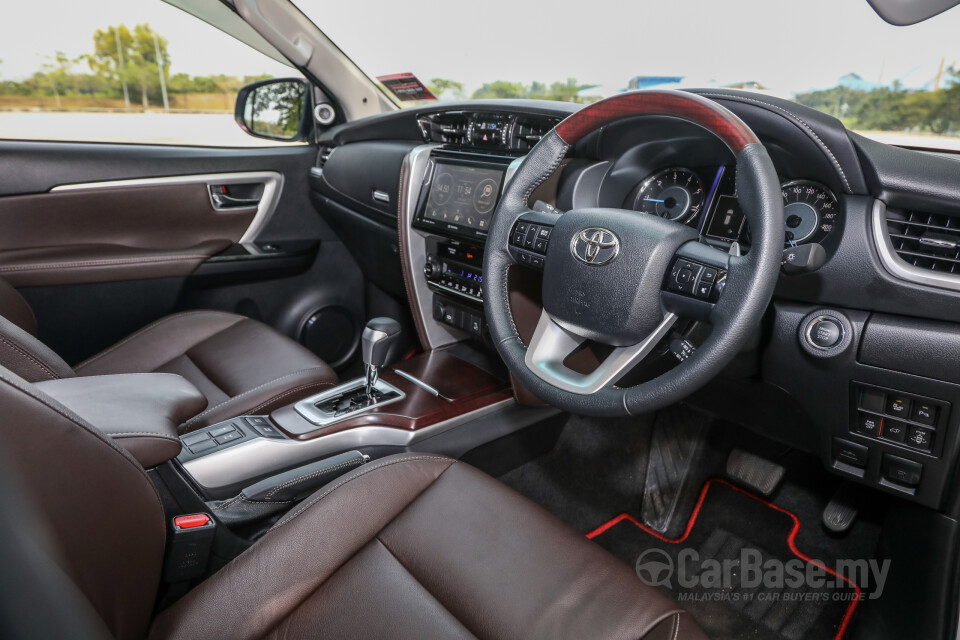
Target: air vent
x=528, y=130
x=323, y=155
x=926, y=240
x=445, y=128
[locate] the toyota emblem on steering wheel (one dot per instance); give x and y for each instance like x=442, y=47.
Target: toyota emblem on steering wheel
x=595, y=246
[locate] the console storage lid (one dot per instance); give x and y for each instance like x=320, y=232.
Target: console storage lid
x=140, y=411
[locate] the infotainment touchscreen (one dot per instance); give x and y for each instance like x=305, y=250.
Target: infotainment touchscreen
x=461, y=197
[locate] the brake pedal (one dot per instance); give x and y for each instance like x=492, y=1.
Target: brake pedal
x=842, y=509
x=759, y=474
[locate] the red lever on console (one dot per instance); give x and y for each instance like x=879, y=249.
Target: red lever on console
x=192, y=521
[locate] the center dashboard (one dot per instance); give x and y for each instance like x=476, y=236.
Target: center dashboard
x=890, y=285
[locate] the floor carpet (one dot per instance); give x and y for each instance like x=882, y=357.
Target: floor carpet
x=702, y=569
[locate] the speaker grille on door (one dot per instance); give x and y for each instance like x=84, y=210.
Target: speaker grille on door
x=331, y=333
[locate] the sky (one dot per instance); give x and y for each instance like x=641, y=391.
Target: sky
x=32, y=31
x=790, y=46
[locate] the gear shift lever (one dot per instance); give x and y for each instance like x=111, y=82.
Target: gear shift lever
x=378, y=337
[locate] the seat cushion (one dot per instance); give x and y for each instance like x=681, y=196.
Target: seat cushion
x=240, y=365
x=422, y=546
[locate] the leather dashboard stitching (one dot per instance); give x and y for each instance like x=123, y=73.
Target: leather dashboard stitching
x=151, y=327
x=823, y=145
x=30, y=357
x=362, y=473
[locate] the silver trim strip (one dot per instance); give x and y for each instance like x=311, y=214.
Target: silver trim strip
x=417, y=381
x=897, y=266
x=437, y=334
x=266, y=455
x=381, y=196
x=551, y=344
x=307, y=407
x=272, y=186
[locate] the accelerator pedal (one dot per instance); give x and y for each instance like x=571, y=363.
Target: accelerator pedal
x=759, y=474
x=842, y=509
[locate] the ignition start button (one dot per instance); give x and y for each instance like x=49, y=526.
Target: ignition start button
x=825, y=333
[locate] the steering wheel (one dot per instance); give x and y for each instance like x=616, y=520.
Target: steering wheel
x=622, y=278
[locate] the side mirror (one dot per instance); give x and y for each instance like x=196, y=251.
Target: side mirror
x=276, y=109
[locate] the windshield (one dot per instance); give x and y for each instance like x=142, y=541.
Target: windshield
x=897, y=84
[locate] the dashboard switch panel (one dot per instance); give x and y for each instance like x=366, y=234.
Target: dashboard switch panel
x=906, y=420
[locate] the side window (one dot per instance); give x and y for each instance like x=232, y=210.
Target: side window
x=127, y=71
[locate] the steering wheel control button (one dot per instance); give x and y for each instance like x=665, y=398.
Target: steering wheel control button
x=919, y=438
x=869, y=425
x=696, y=280
x=901, y=471
x=825, y=333
x=850, y=452
x=893, y=430
x=683, y=276
x=531, y=239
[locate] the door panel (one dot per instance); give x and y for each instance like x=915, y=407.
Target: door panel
x=98, y=263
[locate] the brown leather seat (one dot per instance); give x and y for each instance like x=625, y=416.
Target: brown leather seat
x=240, y=365
x=410, y=546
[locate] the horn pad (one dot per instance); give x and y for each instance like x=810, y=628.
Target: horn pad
x=604, y=270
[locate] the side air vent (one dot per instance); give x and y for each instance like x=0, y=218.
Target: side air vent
x=323, y=155
x=445, y=128
x=919, y=247
x=528, y=130
x=926, y=240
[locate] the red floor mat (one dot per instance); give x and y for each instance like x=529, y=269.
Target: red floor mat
x=732, y=519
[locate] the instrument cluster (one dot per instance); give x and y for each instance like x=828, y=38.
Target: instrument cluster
x=706, y=199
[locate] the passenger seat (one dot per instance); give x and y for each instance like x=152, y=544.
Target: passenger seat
x=240, y=365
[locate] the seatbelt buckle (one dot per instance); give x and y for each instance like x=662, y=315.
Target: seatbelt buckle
x=188, y=547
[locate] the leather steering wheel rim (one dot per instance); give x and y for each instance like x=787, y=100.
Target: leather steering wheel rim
x=750, y=281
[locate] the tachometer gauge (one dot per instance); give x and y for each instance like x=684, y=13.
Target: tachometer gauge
x=810, y=212
x=675, y=194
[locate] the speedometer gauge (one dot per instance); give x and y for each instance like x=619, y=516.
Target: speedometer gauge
x=675, y=194
x=809, y=210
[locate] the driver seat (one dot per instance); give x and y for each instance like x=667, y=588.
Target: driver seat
x=409, y=546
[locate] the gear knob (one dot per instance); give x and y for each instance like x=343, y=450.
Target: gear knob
x=378, y=337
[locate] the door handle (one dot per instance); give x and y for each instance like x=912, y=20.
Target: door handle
x=223, y=201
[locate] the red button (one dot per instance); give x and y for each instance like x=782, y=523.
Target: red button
x=191, y=521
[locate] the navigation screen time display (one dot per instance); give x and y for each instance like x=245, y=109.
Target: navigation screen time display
x=463, y=196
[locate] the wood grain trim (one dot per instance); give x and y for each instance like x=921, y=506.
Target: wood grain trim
x=463, y=388
x=678, y=104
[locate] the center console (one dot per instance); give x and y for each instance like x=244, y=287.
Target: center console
x=450, y=201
